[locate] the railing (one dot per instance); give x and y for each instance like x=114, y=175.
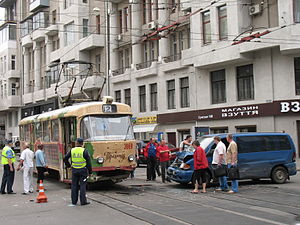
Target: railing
x=145, y=65
x=172, y=58
x=119, y=71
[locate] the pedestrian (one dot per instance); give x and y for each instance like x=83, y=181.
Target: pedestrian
x=157, y=169
x=231, y=158
x=200, y=167
x=81, y=168
x=219, y=160
x=151, y=150
x=26, y=161
x=164, y=158
x=8, y=159
x=40, y=163
x=185, y=144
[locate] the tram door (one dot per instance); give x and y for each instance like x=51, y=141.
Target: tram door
x=69, y=138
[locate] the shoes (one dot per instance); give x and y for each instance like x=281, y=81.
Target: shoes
x=30, y=191
x=86, y=203
x=148, y=180
x=231, y=192
x=3, y=193
x=218, y=189
x=25, y=193
x=11, y=193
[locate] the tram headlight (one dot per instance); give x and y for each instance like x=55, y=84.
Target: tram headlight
x=100, y=160
x=131, y=158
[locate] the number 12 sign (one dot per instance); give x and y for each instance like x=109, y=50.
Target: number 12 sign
x=109, y=108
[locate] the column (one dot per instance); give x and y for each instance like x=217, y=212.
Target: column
x=48, y=49
x=164, y=43
x=37, y=66
x=114, y=32
x=137, y=56
x=26, y=78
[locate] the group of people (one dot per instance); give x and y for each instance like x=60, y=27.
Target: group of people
x=159, y=154
x=27, y=157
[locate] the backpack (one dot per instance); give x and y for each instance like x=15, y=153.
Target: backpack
x=152, y=150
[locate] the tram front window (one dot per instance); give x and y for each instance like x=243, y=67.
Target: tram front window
x=105, y=128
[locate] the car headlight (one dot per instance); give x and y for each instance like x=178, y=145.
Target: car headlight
x=100, y=160
x=131, y=158
x=185, y=166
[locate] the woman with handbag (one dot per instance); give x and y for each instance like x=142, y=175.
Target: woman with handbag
x=200, y=167
x=233, y=173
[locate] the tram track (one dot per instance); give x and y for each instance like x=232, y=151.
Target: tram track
x=180, y=200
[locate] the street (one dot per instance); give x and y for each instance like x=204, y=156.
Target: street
x=136, y=201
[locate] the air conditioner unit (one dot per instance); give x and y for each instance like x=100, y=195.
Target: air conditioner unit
x=133, y=1
x=255, y=9
x=119, y=37
x=152, y=25
x=17, y=84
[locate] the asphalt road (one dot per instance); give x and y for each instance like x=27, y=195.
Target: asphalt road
x=136, y=201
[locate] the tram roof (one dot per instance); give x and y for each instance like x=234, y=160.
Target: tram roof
x=78, y=110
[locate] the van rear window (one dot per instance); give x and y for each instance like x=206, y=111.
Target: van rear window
x=262, y=143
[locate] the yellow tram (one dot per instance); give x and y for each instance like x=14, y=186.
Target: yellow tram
x=107, y=131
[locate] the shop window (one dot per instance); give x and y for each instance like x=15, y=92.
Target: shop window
x=218, y=130
x=241, y=129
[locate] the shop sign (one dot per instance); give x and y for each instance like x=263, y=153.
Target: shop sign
x=145, y=120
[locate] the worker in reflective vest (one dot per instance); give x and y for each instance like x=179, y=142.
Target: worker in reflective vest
x=8, y=158
x=81, y=168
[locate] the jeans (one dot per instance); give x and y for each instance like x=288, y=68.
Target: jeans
x=223, y=183
x=234, y=183
x=79, y=183
x=164, y=166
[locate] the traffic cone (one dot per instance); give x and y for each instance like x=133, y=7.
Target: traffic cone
x=42, y=198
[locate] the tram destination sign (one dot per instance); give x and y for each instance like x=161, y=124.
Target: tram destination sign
x=108, y=108
x=276, y=108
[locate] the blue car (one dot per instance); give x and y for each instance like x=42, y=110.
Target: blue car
x=260, y=155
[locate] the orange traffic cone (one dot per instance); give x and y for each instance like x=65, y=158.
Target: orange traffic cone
x=42, y=198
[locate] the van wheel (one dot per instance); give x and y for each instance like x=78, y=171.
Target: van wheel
x=279, y=175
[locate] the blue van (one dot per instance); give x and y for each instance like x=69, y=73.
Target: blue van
x=260, y=155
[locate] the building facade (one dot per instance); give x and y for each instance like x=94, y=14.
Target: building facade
x=219, y=66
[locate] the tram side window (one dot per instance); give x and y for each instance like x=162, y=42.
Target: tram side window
x=46, y=131
x=54, y=130
x=27, y=132
x=22, y=133
x=38, y=131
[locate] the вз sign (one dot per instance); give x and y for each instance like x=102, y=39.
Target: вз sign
x=290, y=106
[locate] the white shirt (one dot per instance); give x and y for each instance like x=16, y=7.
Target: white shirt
x=27, y=155
x=184, y=147
x=219, y=150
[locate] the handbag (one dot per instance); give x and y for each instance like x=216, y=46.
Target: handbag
x=220, y=171
x=233, y=173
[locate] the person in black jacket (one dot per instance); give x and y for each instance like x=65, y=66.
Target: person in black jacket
x=81, y=168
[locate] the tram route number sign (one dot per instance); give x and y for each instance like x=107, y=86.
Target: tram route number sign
x=109, y=108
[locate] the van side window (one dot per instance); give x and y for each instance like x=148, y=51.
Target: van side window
x=210, y=152
x=277, y=143
x=224, y=140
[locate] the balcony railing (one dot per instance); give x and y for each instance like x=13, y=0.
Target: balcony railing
x=119, y=71
x=145, y=65
x=172, y=58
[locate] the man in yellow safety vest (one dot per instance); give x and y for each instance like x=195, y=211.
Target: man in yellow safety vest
x=8, y=158
x=81, y=168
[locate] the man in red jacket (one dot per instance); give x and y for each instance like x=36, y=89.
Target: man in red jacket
x=200, y=167
x=164, y=158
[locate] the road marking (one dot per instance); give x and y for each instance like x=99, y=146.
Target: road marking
x=273, y=211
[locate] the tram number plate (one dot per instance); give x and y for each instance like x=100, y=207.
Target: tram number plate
x=109, y=108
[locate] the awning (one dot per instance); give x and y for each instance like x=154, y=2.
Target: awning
x=144, y=128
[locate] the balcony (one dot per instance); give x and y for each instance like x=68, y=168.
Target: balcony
x=52, y=30
x=26, y=41
x=115, y=1
x=122, y=77
x=38, y=35
x=7, y=3
x=91, y=42
x=13, y=74
x=146, y=69
x=9, y=102
x=37, y=4
x=172, y=58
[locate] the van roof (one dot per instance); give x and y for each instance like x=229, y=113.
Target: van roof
x=249, y=134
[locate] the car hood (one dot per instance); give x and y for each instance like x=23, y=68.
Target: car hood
x=182, y=155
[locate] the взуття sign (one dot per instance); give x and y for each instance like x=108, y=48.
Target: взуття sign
x=276, y=108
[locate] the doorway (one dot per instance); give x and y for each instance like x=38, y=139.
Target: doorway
x=172, y=138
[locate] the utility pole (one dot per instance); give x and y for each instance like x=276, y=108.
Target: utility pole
x=107, y=48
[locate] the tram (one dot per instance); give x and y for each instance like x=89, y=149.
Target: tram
x=106, y=128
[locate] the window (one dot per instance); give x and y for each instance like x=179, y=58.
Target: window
x=13, y=62
x=184, y=92
x=171, y=94
x=297, y=11
x=85, y=27
x=40, y=20
x=38, y=130
x=120, y=22
x=84, y=1
x=69, y=34
x=4, y=64
x=206, y=27
x=127, y=58
x=222, y=12
x=54, y=130
x=142, y=95
x=173, y=6
x=218, y=86
x=246, y=129
x=144, y=11
x=126, y=19
x=297, y=75
x=118, y=96
x=55, y=43
x=174, y=48
x=98, y=24
x=153, y=96
x=13, y=89
x=67, y=3
x=150, y=11
x=46, y=131
x=127, y=96
x=54, y=17
x=245, y=84
x=98, y=62
x=218, y=130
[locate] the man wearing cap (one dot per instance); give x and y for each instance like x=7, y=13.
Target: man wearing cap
x=8, y=159
x=81, y=168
